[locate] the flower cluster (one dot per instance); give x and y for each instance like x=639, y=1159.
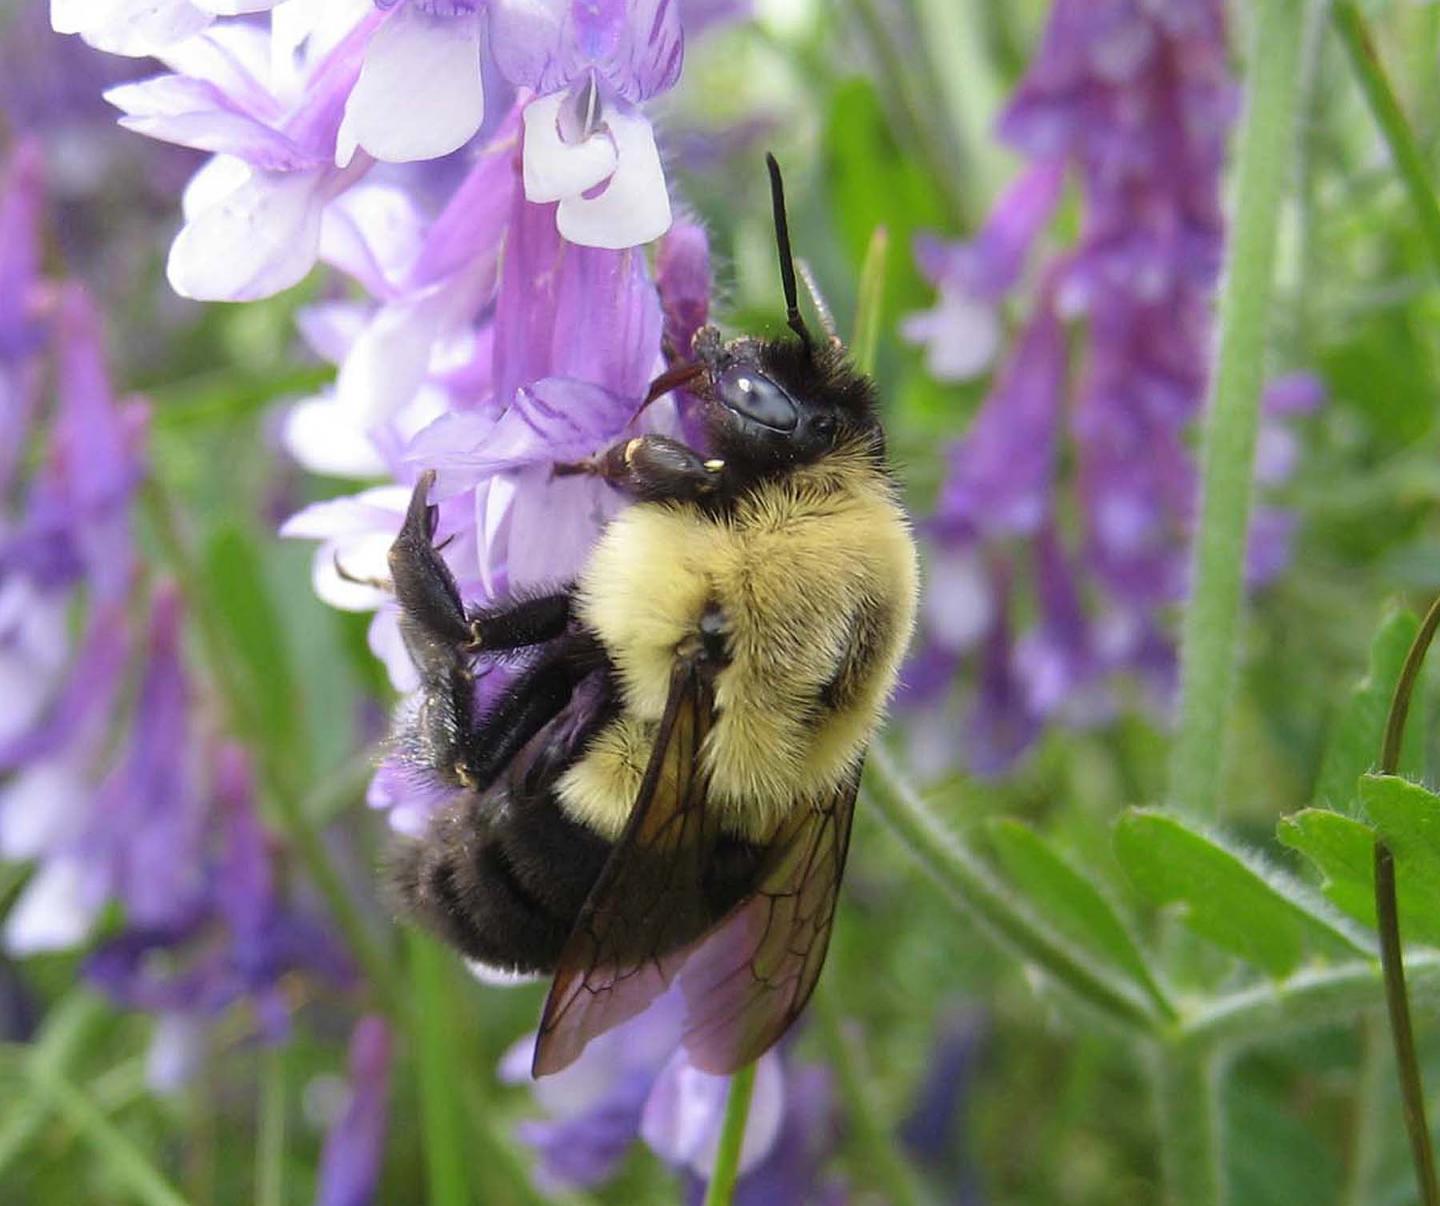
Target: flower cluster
x=114, y=789
x=1070, y=500
x=297, y=109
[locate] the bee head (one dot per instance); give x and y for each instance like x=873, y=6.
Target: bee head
x=772, y=404
x=782, y=402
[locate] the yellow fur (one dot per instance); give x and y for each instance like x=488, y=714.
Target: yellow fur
x=793, y=569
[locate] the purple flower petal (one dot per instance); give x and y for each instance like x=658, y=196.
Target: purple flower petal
x=1000, y=473
x=355, y=1145
x=636, y=47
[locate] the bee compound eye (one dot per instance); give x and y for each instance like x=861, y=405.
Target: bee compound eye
x=754, y=396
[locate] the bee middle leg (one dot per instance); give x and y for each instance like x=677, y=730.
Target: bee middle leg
x=486, y=746
x=652, y=469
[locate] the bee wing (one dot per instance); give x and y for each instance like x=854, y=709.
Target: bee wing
x=647, y=907
x=751, y=977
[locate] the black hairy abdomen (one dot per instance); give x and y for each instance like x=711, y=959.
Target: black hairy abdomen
x=501, y=877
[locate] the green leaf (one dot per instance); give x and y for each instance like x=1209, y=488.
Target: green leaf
x=1252, y=911
x=1407, y=816
x=1354, y=745
x=1343, y=850
x=1070, y=902
x=875, y=183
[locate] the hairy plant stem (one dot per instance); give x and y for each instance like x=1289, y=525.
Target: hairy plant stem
x=1187, y=1096
x=1385, y=107
x=1387, y=914
x=732, y=1136
x=1323, y=996
x=1208, y=644
x=972, y=885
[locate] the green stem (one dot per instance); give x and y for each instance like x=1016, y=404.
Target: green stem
x=881, y=1158
x=126, y=1162
x=1397, y=1001
x=1380, y=96
x=1208, y=644
x=445, y=1156
x=69, y=1026
x=870, y=302
x=270, y=1139
x=971, y=884
x=1187, y=1096
x=1387, y=916
x=732, y=1137
x=1307, y=1000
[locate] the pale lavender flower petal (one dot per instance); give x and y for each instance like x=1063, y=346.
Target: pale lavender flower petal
x=355, y=1145
x=195, y=113
x=129, y=27
x=594, y=1106
x=258, y=240
x=686, y=1106
x=355, y=532
x=419, y=95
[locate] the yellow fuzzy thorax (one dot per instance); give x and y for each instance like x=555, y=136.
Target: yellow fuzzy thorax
x=800, y=562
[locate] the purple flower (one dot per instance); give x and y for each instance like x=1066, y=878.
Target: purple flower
x=254, y=213
x=588, y=145
x=420, y=93
x=20, y=332
x=1089, y=455
x=962, y=333
x=635, y=1082
x=1001, y=475
x=231, y=937
x=355, y=1144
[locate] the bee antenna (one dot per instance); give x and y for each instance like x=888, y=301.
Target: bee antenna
x=787, y=261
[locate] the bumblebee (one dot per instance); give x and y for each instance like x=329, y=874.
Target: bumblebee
x=666, y=790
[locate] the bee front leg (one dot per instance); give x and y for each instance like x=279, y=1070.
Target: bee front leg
x=652, y=469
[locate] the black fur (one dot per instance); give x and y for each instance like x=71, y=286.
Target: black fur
x=501, y=877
